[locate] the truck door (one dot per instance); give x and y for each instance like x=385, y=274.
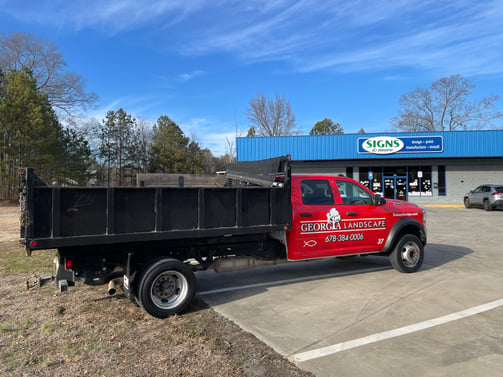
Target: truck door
x=310, y=221
x=335, y=217
x=364, y=225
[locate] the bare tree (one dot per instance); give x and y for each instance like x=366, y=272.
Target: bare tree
x=445, y=107
x=140, y=144
x=65, y=90
x=271, y=117
x=230, y=150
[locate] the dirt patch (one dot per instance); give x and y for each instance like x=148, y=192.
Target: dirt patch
x=85, y=332
x=9, y=224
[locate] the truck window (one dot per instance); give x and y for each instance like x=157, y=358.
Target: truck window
x=316, y=192
x=353, y=194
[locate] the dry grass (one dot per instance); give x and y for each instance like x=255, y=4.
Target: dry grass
x=84, y=332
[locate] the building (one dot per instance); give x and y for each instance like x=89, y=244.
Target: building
x=426, y=167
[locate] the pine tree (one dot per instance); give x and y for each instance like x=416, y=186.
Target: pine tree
x=326, y=127
x=173, y=152
x=29, y=130
x=117, y=145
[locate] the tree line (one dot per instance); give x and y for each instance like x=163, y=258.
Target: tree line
x=126, y=146
x=36, y=94
x=109, y=152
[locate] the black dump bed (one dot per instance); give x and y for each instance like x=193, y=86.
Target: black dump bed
x=54, y=217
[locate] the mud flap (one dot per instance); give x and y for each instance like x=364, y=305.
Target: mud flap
x=62, y=277
x=126, y=278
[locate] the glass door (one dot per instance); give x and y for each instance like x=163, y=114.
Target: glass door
x=395, y=187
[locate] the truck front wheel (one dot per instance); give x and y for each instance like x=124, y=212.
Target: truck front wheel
x=166, y=287
x=408, y=254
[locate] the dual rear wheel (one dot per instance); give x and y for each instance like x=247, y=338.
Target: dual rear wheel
x=166, y=287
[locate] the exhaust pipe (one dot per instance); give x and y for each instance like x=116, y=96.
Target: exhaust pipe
x=228, y=264
x=112, y=286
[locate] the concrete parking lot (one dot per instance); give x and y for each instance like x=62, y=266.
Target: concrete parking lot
x=359, y=317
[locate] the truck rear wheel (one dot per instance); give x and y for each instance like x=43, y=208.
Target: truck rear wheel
x=408, y=254
x=166, y=287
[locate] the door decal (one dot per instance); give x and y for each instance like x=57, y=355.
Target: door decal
x=335, y=223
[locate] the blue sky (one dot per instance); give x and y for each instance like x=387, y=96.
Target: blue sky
x=200, y=62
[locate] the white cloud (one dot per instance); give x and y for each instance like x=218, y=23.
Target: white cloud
x=210, y=134
x=110, y=16
x=309, y=35
x=189, y=76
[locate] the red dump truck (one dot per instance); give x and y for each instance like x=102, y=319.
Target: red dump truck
x=152, y=240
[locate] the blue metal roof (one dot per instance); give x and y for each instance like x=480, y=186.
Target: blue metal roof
x=450, y=144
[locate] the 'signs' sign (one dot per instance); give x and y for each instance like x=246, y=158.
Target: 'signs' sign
x=383, y=145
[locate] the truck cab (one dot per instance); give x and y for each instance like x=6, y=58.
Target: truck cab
x=337, y=216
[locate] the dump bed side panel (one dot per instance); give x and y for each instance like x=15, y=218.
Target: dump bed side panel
x=66, y=216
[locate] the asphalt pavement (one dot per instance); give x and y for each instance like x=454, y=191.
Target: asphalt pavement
x=360, y=317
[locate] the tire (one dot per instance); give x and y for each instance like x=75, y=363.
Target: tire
x=487, y=205
x=408, y=254
x=467, y=203
x=166, y=287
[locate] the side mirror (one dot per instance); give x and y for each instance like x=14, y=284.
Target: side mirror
x=379, y=200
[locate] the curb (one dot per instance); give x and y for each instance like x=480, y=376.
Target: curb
x=444, y=205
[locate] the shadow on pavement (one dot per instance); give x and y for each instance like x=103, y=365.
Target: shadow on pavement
x=219, y=288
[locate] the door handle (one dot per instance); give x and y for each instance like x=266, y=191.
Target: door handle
x=306, y=214
x=352, y=213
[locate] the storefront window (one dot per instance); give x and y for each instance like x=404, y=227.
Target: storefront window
x=419, y=178
x=372, y=179
x=399, y=182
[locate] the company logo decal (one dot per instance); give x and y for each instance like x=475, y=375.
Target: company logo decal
x=335, y=223
x=333, y=217
x=383, y=145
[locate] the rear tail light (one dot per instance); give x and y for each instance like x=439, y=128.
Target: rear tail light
x=497, y=193
x=68, y=264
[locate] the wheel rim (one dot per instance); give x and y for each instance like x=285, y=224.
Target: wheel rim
x=169, y=289
x=410, y=254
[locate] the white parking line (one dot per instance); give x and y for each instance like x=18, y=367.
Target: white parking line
x=329, y=350
x=296, y=280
